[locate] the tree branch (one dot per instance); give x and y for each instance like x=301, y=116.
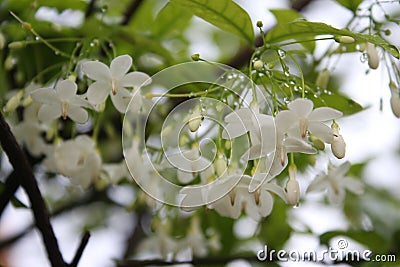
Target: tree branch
x=133, y=7
x=10, y=187
x=79, y=251
x=243, y=56
x=26, y=178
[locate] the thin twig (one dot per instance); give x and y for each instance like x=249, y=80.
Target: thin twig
x=25, y=176
x=130, y=12
x=90, y=8
x=10, y=187
x=79, y=251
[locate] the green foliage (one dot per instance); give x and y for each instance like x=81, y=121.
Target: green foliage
x=170, y=19
x=284, y=16
x=307, y=30
x=224, y=14
x=350, y=4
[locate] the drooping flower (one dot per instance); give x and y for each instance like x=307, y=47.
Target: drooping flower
x=373, y=57
x=113, y=81
x=309, y=119
x=338, y=144
x=61, y=102
x=336, y=183
x=292, y=187
x=256, y=205
x=78, y=160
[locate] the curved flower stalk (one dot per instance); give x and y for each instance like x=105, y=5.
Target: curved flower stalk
x=61, y=102
x=335, y=183
x=113, y=81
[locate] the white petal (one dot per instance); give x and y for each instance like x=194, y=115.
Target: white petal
x=266, y=203
x=321, y=131
x=78, y=114
x=276, y=189
x=49, y=113
x=353, y=185
x=336, y=197
x=302, y=107
x=257, y=180
x=285, y=120
x=66, y=89
x=97, y=71
x=97, y=92
x=121, y=99
x=324, y=114
x=185, y=177
x=45, y=95
x=320, y=183
x=79, y=101
x=293, y=144
x=340, y=170
x=243, y=115
x=120, y=66
x=233, y=130
x=135, y=79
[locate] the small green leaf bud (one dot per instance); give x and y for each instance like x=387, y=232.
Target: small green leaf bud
x=260, y=24
x=17, y=45
x=258, y=65
x=344, y=39
x=196, y=57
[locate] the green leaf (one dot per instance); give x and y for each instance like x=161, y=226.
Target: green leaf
x=350, y=4
x=337, y=101
x=284, y=16
x=171, y=18
x=307, y=30
x=224, y=14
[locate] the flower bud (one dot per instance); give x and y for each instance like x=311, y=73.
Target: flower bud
x=373, y=57
x=260, y=24
x=292, y=187
x=27, y=26
x=10, y=62
x=13, y=103
x=220, y=165
x=345, y=39
x=17, y=45
x=258, y=65
x=323, y=79
x=195, y=120
x=196, y=57
x=338, y=145
x=318, y=143
x=395, y=103
x=2, y=41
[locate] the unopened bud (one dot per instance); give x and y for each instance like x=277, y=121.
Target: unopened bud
x=2, y=41
x=373, y=57
x=17, y=45
x=196, y=57
x=228, y=144
x=14, y=101
x=220, y=165
x=323, y=79
x=27, y=26
x=72, y=77
x=10, y=62
x=183, y=140
x=345, y=39
x=195, y=120
x=258, y=65
x=292, y=187
x=260, y=24
x=395, y=103
x=338, y=145
x=318, y=143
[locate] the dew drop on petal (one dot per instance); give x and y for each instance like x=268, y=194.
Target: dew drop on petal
x=364, y=57
x=281, y=53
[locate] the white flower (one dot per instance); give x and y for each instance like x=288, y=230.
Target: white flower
x=28, y=132
x=115, y=171
x=292, y=187
x=61, y=102
x=336, y=183
x=373, y=57
x=78, y=159
x=113, y=81
x=311, y=120
x=256, y=205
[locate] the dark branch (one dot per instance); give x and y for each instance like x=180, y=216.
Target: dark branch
x=90, y=8
x=130, y=12
x=26, y=178
x=79, y=251
x=243, y=56
x=10, y=187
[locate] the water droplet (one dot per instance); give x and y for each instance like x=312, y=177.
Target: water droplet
x=57, y=52
x=364, y=57
x=315, y=95
x=286, y=73
x=191, y=94
x=292, y=82
x=286, y=100
x=286, y=85
x=281, y=53
x=91, y=44
x=358, y=47
x=296, y=88
x=230, y=76
x=37, y=38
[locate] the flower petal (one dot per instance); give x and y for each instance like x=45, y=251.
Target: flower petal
x=78, y=114
x=45, y=95
x=321, y=131
x=302, y=107
x=97, y=71
x=97, y=92
x=120, y=66
x=121, y=99
x=293, y=144
x=49, y=113
x=66, y=89
x=233, y=130
x=135, y=79
x=266, y=203
x=276, y=189
x=284, y=121
x=324, y=114
x=353, y=185
x=320, y=183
